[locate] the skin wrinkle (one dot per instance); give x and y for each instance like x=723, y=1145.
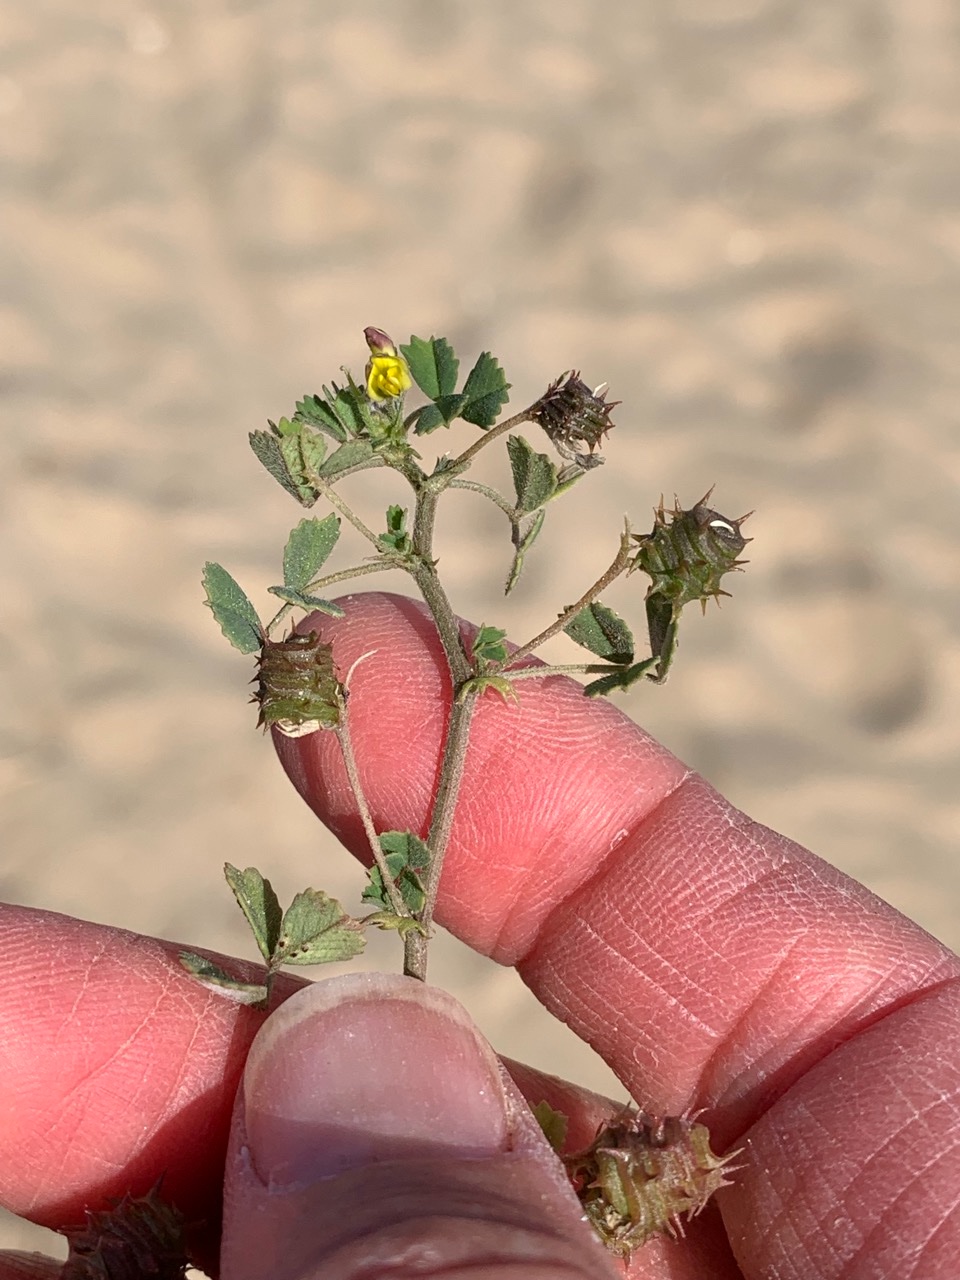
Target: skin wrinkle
x=674, y=1001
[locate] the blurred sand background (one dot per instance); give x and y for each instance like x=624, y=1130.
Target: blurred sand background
x=743, y=214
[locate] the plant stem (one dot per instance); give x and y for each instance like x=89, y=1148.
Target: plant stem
x=348, y=513
x=341, y=575
x=350, y=762
x=525, y=415
x=619, y=564
x=508, y=509
x=565, y=669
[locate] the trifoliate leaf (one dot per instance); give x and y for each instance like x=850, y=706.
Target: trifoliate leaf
x=258, y=902
x=433, y=366
x=216, y=979
x=316, y=930
x=305, y=601
x=440, y=414
x=307, y=548
x=553, y=1123
x=406, y=856
x=232, y=609
x=523, y=541
x=485, y=392
x=351, y=454
x=488, y=644
x=619, y=679
x=603, y=632
x=534, y=475
x=292, y=453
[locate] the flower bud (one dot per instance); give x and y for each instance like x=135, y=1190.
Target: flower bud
x=387, y=373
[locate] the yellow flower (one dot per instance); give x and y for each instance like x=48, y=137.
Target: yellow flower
x=387, y=372
x=387, y=377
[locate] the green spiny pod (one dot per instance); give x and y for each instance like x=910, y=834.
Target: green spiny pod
x=641, y=1172
x=686, y=555
x=297, y=688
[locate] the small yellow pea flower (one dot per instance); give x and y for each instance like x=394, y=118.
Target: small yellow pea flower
x=387, y=372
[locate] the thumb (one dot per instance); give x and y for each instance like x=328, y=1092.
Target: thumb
x=375, y=1133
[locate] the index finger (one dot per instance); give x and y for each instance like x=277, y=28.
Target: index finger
x=707, y=959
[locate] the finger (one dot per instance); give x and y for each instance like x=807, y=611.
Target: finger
x=117, y=1067
x=375, y=1132
x=28, y=1266
x=708, y=960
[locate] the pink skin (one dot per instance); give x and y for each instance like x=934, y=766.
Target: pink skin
x=713, y=963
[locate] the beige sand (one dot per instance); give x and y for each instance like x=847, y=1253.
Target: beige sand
x=744, y=215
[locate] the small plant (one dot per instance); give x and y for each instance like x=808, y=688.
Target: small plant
x=352, y=428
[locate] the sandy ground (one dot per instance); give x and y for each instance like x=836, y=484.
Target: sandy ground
x=744, y=215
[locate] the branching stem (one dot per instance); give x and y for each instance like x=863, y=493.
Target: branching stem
x=350, y=763
x=620, y=563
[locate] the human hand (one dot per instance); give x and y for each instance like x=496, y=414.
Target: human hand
x=711, y=962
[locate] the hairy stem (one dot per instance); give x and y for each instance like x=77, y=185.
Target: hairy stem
x=350, y=762
x=461, y=460
x=618, y=566
x=357, y=571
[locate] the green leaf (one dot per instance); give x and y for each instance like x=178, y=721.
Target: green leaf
x=316, y=930
x=307, y=548
x=233, y=611
x=307, y=601
x=534, y=475
x=406, y=856
x=480, y=684
x=523, y=542
x=218, y=980
x=318, y=413
x=488, y=644
x=347, y=404
x=440, y=414
x=485, y=392
x=259, y=903
x=348, y=455
x=663, y=619
x=284, y=460
x=402, y=924
x=603, y=632
x=396, y=538
x=433, y=366
x=553, y=1123
x=622, y=679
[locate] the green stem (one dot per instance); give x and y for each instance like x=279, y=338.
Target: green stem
x=326, y=488
x=441, y=824
x=462, y=459
x=350, y=763
x=428, y=490
x=565, y=669
x=357, y=571
x=508, y=509
x=618, y=566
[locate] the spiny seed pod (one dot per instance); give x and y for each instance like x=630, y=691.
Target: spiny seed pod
x=641, y=1172
x=686, y=555
x=688, y=552
x=136, y=1239
x=574, y=417
x=297, y=688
